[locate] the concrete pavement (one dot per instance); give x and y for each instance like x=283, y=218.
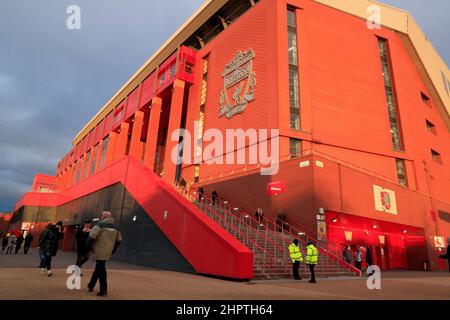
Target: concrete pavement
x=20, y=279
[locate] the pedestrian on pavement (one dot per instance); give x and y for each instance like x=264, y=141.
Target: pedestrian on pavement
x=20, y=240
x=447, y=255
x=296, y=257
x=81, y=237
x=104, y=239
x=312, y=257
x=214, y=197
x=4, y=242
x=41, y=248
x=28, y=240
x=359, y=259
x=49, y=243
x=369, y=270
x=12, y=241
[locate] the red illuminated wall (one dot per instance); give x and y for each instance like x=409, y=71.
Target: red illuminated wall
x=344, y=118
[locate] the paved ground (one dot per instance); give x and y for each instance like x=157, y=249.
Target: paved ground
x=20, y=279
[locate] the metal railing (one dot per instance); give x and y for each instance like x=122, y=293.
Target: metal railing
x=263, y=260
x=280, y=233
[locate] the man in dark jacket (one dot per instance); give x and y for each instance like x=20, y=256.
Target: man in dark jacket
x=49, y=243
x=81, y=236
x=104, y=239
x=447, y=255
x=19, y=243
x=4, y=242
x=28, y=240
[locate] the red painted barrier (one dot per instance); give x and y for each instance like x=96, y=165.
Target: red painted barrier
x=205, y=245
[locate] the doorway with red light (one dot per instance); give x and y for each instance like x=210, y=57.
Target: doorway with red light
x=393, y=246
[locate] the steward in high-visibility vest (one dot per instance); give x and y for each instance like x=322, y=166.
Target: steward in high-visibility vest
x=312, y=257
x=296, y=257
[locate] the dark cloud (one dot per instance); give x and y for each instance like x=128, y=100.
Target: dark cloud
x=53, y=80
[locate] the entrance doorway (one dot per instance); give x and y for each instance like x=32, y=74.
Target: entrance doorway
x=388, y=242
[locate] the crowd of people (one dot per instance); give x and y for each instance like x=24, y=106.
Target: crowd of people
x=13, y=244
x=356, y=258
x=99, y=242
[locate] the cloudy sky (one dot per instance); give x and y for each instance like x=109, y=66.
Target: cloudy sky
x=53, y=80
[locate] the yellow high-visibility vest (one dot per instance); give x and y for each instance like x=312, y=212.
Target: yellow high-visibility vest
x=312, y=255
x=295, y=253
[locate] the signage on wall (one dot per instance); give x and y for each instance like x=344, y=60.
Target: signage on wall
x=384, y=200
x=275, y=188
x=382, y=239
x=348, y=235
x=26, y=226
x=439, y=242
x=238, y=84
x=321, y=231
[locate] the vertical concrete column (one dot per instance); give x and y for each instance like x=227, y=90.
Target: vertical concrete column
x=99, y=154
x=113, y=136
x=152, y=133
x=176, y=110
x=122, y=140
x=136, y=144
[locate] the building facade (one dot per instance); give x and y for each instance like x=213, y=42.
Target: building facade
x=306, y=108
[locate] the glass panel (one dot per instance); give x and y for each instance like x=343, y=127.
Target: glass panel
x=390, y=98
x=295, y=147
x=401, y=172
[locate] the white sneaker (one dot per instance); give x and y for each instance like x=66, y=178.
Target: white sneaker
x=42, y=272
x=49, y=273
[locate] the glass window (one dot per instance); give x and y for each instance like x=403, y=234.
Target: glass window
x=436, y=156
x=103, y=154
x=94, y=160
x=401, y=172
x=390, y=97
x=294, y=85
x=86, y=164
x=295, y=147
x=430, y=126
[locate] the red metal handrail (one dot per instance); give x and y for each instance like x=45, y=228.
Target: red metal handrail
x=323, y=250
x=207, y=207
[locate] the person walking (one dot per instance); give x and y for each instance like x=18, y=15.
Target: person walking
x=200, y=194
x=4, y=242
x=296, y=257
x=358, y=259
x=447, y=255
x=103, y=241
x=369, y=261
x=49, y=243
x=19, y=243
x=81, y=237
x=347, y=255
x=12, y=241
x=28, y=240
x=312, y=257
x=41, y=248
x=214, y=197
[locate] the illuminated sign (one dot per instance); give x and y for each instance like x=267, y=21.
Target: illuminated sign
x=239, y=81
x=384, y=200
x=275, y=188
x=348, y=235
x=439, y=242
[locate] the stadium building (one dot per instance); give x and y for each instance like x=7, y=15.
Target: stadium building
x=349, y=100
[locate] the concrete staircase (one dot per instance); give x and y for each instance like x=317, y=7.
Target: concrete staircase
x=268, y=241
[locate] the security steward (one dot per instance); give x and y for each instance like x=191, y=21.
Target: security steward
x=296, y=257
x=312, y=257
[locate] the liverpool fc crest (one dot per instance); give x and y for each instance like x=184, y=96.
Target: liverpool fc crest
x=239, y=81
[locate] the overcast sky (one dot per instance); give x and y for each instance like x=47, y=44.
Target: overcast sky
x=53, y=80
